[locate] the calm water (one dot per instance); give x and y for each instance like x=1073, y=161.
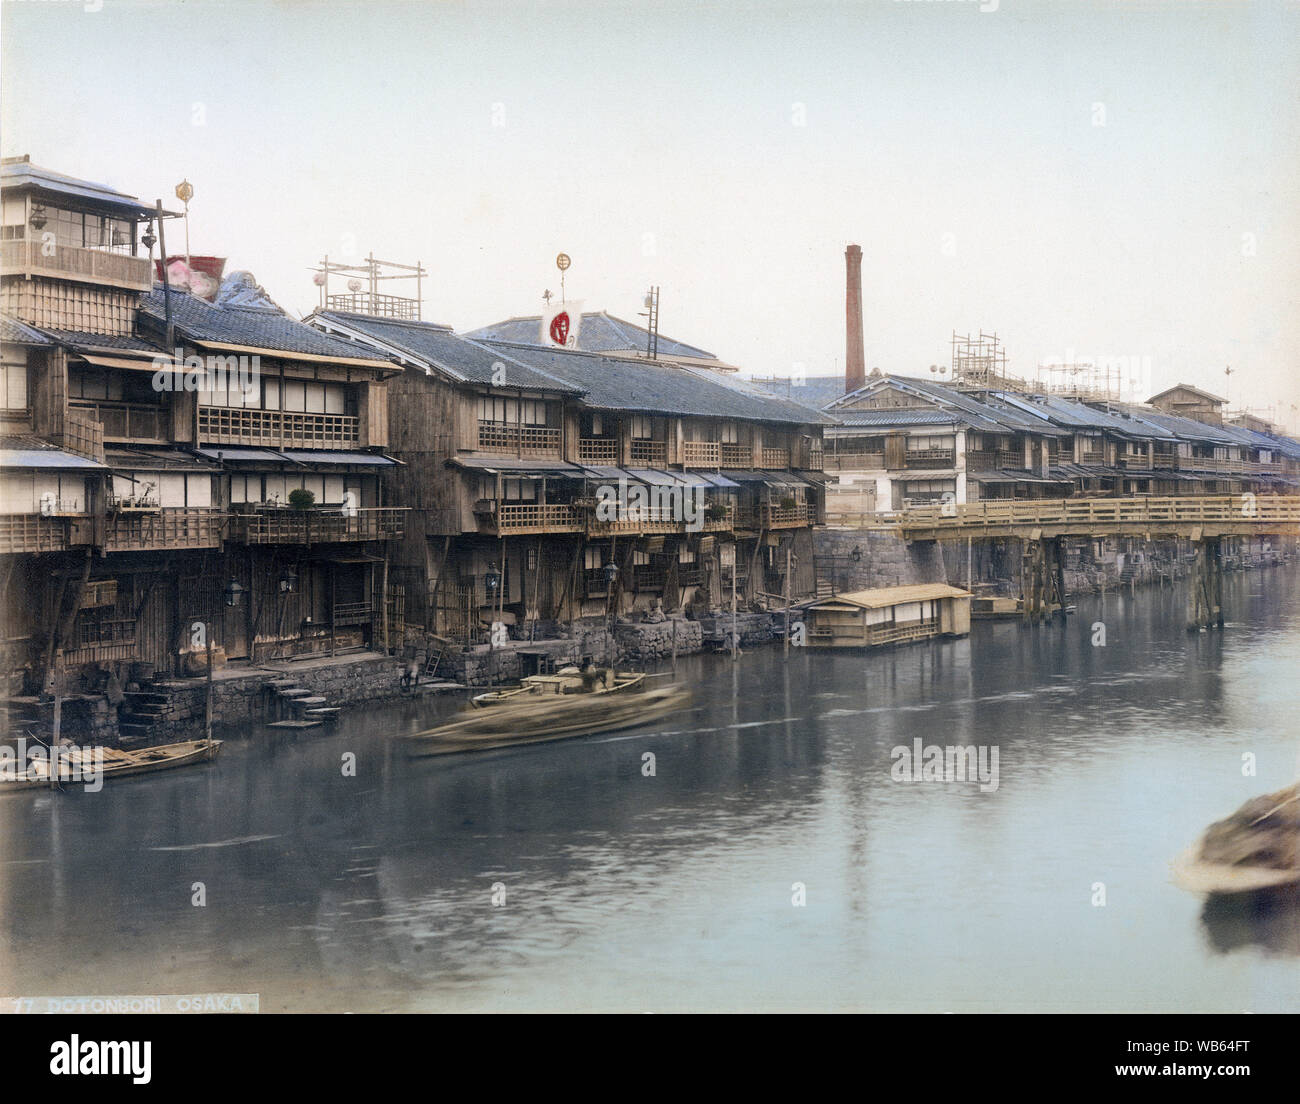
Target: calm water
x=674, y=891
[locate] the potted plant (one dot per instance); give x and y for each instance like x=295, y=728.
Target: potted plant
x=302, y=499
x=787, y=502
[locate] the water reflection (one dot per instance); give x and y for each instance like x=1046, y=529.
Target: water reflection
x=563, y=876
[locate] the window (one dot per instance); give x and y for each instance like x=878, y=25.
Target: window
x=640, y=427
x=729, y=433
x=13, y=386
x=295, y=395
x=93, y=383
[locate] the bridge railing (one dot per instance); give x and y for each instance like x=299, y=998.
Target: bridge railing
x=1103, y=511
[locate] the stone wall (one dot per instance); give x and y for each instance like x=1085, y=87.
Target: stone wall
x=645, y=642
x=866, y=559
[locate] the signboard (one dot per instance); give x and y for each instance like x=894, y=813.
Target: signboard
x=561, y=325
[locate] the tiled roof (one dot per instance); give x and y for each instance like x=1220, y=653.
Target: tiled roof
x=437, y=346
x=818, y=391
x=599, y=333
x=901, y=417
x=1070, y=414
x=256, y=327
x=81, y=339
x=17, y=173
x=970, y=411
x=19, y=333
x=609, y=383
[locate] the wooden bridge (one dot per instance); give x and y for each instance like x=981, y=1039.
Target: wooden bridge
x=1033, y=519
x=1044, y=524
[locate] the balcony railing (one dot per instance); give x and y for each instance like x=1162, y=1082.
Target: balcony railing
x=1210, y=463
x=991, y=459
x=68, y=262
x=854, y=461
x=930, y=458
x=32, y=533
x=785, y=517
x=1092, y=456
x=774, y=458
x=83, y=434
x=516, y=440
x=505, y=518
x=169, y=527
x=737, y=456
x=701, y=454
x=221, y=425
x=812, y=459
x=127, y=421
x=723, y=522
x=317, y=526
x=352, y=613
x=599, y=450
x=645, y=451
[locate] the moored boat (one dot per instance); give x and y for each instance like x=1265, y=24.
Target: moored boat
x=75, y=765
x=567, y=681
x=1256, y=848
x=534, y=720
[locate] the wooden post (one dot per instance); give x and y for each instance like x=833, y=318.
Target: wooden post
x=207, y=705
x=383, y=600
x=57, y=726
x=1059, y=546
x=735, y=635
x=674, y=648
x=785, y=651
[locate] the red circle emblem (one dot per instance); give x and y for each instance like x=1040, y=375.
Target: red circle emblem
x=560, y=328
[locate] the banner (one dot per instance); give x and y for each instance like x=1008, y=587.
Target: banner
x=561, y=325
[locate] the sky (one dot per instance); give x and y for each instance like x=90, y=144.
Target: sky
x=1088, y=180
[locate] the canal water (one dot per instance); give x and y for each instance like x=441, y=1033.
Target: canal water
x=568, y=876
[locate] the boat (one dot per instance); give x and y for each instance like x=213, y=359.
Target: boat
x=117, y=763
x=1256, y=848
x=540, y=719
x=567, y=681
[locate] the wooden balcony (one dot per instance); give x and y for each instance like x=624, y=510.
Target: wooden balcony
x=993, y=459
x=118, y=421
x=701, y=454
x=166, y=528
x=68, y=262
x=812, y=459
x=724, y=522
x=1092, y=457
x=854, y=461
x=598, y=450
x=645, y=451
x=508, y=439
x=509, y=518
x=83, y=434
x=220, y=425
x=785, y=517
x=930, y=458
x=737, y=456
x=776, y=458
x=32, y=533
x=317, y=525
x=1210, y=464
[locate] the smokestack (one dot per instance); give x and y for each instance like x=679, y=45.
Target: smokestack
x=855, y=361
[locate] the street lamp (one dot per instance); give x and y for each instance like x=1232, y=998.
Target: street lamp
x=38, y=217
x=492, y=578
x=288, y=580
x=233, y=592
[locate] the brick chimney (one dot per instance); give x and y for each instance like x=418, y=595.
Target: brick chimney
x=855, y=361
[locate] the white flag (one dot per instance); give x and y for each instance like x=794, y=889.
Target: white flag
x=561, y=325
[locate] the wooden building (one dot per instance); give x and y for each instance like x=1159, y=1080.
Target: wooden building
x=550, y=485
x=888, y=615
x=145, y=483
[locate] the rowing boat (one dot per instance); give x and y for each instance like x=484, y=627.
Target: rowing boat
x=566, y=682
x=1256, y=848
x=536, y=720
x=75, y=765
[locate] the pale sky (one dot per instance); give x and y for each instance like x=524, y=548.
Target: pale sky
x=1087, y=179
